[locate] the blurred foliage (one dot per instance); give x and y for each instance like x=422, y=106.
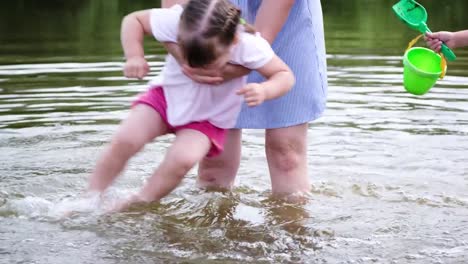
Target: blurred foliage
x=367, y=26
x=61, y=27
x=91, y=27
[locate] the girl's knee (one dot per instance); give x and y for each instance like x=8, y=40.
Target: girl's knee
x=125, y=144
x=182, y=161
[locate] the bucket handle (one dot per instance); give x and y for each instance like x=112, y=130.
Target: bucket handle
x=443, y=61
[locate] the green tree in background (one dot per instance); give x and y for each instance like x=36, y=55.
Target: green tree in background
x=90, y=28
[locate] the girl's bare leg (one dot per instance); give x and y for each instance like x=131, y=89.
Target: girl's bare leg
x=189, y=147
x=140, y=127
x=220, y=171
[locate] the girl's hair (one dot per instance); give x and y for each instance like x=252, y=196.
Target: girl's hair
x=206, y=29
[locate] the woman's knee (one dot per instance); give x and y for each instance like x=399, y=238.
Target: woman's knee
x=216, y=165
x=222, y=169
x=285, y=153
x=217, y=172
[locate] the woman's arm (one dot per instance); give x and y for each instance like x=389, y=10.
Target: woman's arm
x=170, y=3
x=451, y=39
x=461, y=38
x=271, y=17
x=279, y=80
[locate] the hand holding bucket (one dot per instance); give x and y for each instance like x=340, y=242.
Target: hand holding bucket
x=415, y=16
x=421, y=68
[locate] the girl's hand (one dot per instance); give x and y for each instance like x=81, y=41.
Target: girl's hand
x=254, y=94
x=136, y=67
x=211, y=76
x=435, y=40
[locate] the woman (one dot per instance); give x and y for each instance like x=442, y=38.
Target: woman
x=295, y=30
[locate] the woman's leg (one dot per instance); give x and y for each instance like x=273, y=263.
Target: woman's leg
x=286, y=151
x=140, y=127
x=189, y=147
x=220, y=171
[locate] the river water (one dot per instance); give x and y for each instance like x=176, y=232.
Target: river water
x=389, y=170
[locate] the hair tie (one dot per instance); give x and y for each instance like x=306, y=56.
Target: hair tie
x=242, y=21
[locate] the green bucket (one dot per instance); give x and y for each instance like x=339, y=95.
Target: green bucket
x=422, y=68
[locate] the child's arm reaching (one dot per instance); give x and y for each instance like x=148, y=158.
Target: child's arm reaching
x=134, y=27
x=280, y=80
x=451, y=39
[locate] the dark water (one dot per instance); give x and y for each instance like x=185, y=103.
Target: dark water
x=389, y=169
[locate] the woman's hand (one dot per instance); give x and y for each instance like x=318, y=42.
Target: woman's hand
x=200, y=75
x=136, y=67
x=254, y=94
x=435, y=40
x=211, y=76
x=215, y=76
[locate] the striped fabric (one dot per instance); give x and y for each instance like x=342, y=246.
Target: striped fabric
x=301, y=45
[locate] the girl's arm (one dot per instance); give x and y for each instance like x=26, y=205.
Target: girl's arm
x=279, y=80
x=134, y=27
x=172, y=47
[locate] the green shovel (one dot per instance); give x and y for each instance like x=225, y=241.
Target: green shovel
x=415, y=16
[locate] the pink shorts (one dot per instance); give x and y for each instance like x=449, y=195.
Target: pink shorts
x=154, y=98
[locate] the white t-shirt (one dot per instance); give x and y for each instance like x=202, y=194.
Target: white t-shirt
x=189, y=101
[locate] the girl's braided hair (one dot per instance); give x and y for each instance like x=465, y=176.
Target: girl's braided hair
x=206, y=29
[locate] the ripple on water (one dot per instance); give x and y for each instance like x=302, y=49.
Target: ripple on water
x=388, y=173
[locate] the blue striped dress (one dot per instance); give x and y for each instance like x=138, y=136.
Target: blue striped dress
x=301, y=45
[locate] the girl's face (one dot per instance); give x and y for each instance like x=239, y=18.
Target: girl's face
x=206, y=53
x=223, y=59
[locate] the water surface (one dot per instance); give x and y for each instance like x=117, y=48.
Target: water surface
x=389, y=169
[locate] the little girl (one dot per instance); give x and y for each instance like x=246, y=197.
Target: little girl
x=209, y=36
